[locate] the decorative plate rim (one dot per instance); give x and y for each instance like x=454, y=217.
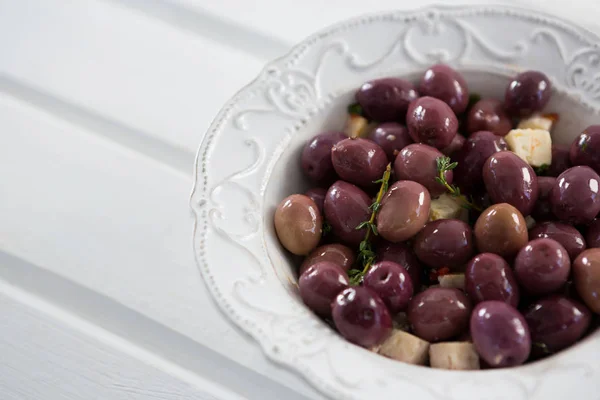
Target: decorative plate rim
x=201, y=174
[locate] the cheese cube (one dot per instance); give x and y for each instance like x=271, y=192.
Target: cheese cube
x=534, y=146
x=454, y=355
x=356, y=126
x=537, y=121
x=455, y=281
x=448, y=207
x=403, y=346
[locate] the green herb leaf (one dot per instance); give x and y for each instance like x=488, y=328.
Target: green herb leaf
x=374, y=229
x=541, y=170
x=355, y=109
x=362, y=225
x=473, y=98
x=326, y=227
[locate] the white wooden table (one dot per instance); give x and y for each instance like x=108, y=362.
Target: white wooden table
x=102, y=105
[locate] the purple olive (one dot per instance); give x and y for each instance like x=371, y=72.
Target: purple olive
x=557, y=322
x=569, y=237
x=585, y=149
x=318, y=196
x=488, y=115
x=592, y=236
x=418, y=162
x=403, y=254
x=509, y=179
x=489, y=277
x=586, y=275
x=320, y=284
x=387, y=99
x=438, y=314
x=336, y=253
x=457, y=143
x=346, y=207
x=431, y=121
x=392, y=283
x=542, y=210
x=444, y=83
x=361, y=316
x=560, y=160
x=391, y=137
x=527, y=93
x=542, y=267
x=500, y=334
x=316, y=157
x=471, y=158
x=575, y=196
x=445, y=242
x=358, y=161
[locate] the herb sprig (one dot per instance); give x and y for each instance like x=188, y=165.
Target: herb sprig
x=445, y=164
x=541, y=170
x=366, y=255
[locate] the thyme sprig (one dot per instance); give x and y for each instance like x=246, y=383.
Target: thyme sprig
x=366, y=255
x=445, y=164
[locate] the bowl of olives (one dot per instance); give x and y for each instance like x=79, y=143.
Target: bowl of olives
x=413, y=207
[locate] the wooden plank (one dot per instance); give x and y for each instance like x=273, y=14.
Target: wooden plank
x=114, y=222
x=43, y=358
x=122, y=65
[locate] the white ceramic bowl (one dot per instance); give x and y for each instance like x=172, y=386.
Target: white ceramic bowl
x=249, y=161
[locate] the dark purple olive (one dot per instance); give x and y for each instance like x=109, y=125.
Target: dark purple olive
x=575, y=197
x=346, y=206
x=438, y=314
x=471, y=158
x=569, y=237
x=557, y=322
x=489, y=277
x=316, y=157
x=488, y=115
x=401, y=253
x=585, y=149
x=542, y=210
x=335, y=253
x=527, y=93
x=392, y=283
x=391, y=137
x=444, y=243
x=318, y=196
x=417, y=162
x=542, y=267
x=431, y=121
x=320, y=284
x=387, y=99
x=444, y=83
x=457, y=143
x=500, y=334
x=586, y=275
x=560, y=160
x=361, y=316
x=592, y=236
x=509, y=179
x=358, y=161
x=404, y=211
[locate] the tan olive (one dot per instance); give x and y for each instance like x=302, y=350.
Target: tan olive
x=586, y=273
x=298, y=223
x=335, y=253
x=501, y=229
x=404, y=211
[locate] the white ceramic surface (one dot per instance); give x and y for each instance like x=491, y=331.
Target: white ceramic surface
x=249, y=160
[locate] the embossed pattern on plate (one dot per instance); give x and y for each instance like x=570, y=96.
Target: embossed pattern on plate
x=232, y=199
